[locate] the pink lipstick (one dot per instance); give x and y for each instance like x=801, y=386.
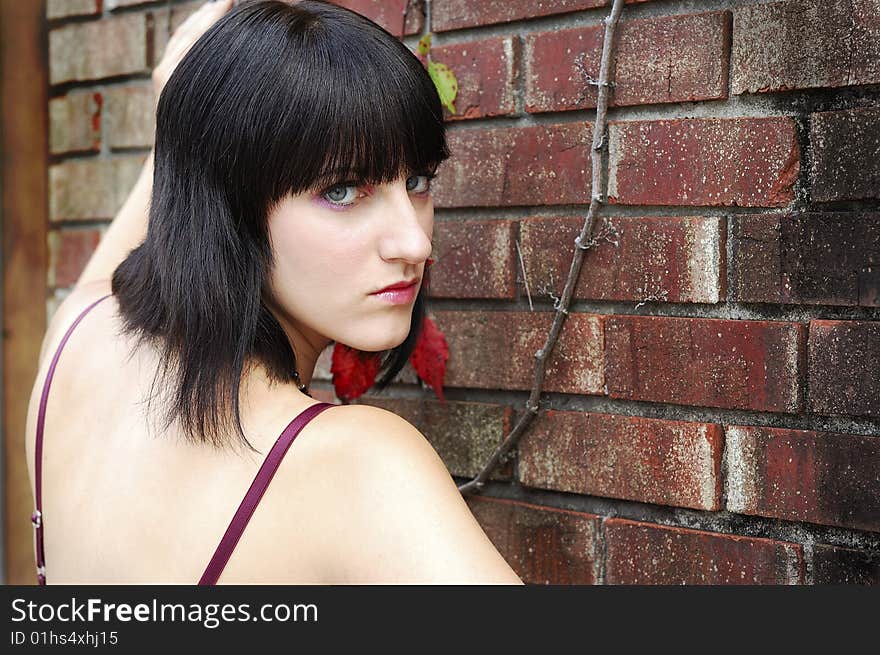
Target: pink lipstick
x=400, y=293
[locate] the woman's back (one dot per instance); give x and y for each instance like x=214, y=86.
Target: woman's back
x=122, y=505
x=359, y=498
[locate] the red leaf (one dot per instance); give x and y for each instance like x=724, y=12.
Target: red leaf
x=429, y=357
x=354, y=371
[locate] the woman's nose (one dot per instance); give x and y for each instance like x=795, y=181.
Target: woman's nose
x=408, y=230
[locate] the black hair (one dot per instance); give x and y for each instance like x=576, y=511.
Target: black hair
x=274, y=99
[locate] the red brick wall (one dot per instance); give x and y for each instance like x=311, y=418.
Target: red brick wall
x=712, y=412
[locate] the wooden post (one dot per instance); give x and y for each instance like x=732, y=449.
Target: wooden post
x=23, y=180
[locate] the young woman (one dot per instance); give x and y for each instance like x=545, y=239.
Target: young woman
x=289, y=185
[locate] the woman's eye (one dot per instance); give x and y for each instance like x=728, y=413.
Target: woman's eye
x=341, y=194
x=419, y=183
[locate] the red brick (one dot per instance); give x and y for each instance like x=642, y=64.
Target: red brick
x=845, y=368
x=69, y=252
x=671, y=59
x=543, y=545
x=677, y=259
x=750, y=162
x=643, y=553
x=706, y=362
x=647, y=460
x=75, y=123
x=91, y=188
x=388, y=14
x=846, y=154
x=98, y=49
x=536, y=165
x=464, y=434
x=131, y=116
x=474, y=259
x=828, y=258
x=455, y=14
x=486, y=73
x=800, y=45
x=798, y=475
x=496, y=350
x=836, y=565
x=64, y=8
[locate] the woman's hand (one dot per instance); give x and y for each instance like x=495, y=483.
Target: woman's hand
x=184, y=37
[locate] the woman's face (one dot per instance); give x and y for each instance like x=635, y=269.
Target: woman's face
x=335, y=248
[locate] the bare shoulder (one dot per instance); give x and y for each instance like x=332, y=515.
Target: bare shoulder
x=397, y=515
x=76, y=301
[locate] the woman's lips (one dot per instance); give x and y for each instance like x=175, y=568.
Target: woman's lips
x=399, y=295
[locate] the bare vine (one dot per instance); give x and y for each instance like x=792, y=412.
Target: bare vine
x=583, y=242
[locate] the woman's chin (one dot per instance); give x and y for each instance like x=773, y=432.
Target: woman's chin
x=379, y=342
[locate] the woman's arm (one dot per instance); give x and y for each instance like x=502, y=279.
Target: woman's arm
x=393, y=512
x=129, y=226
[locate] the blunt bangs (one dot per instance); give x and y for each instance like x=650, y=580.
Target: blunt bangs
x=373, y=112
x=315, y=94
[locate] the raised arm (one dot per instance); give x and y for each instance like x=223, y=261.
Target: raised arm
x=129, y=226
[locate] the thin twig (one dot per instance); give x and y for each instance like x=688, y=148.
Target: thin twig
x=525, y=277
x=583, y=243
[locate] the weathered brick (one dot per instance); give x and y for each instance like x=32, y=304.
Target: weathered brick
x=845, y=368
x=836, y=565
x=671, y=59
x=536, y=165
x=98, y=49
x=75, y=122
x=464, y=434
x=647, y=460
x=643, y=553
x=799, y=45
x=806, y=258
x=496, y=350
x=131, y=116
x=91, y=188
x=706, y=362
x=388, y=14
x=69, y=252
x=846, y=154
x=64, y=8
x=455, y=14
x=474, y=259
x=543, y=545
x=749, y=162
x=486, y=72
x=675, y=259
x=798, y=475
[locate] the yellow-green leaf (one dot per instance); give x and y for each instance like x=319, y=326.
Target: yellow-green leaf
x=444, y=80
x=425, y=44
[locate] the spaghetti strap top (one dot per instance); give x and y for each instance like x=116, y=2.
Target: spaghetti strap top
x=245, y=509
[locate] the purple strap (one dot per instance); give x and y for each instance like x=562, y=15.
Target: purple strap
x=37, y=516
x=255, y=493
